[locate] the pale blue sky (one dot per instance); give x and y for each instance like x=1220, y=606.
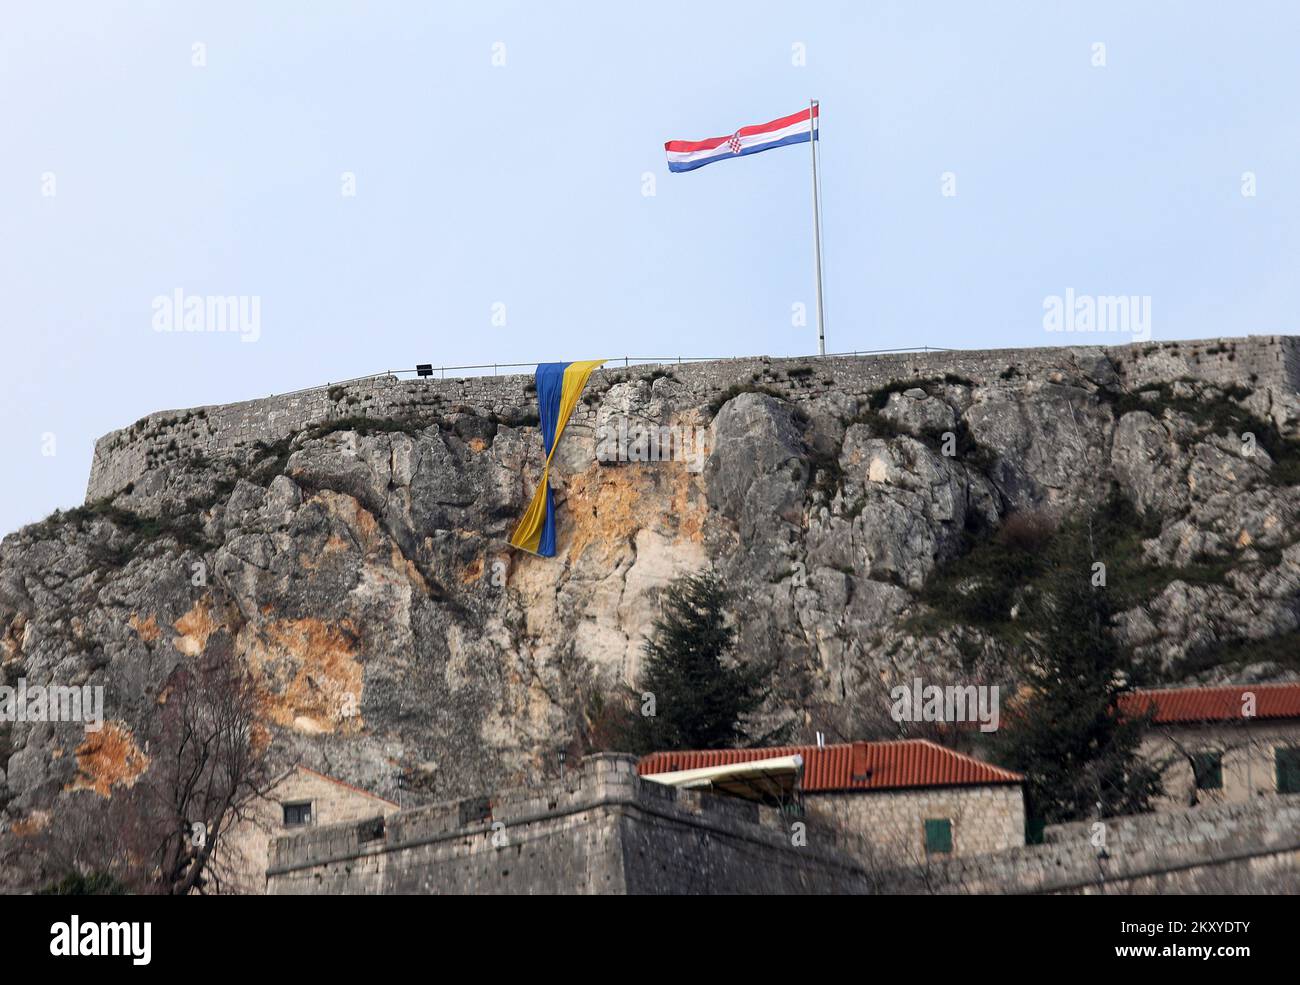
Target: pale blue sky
x=522, y=185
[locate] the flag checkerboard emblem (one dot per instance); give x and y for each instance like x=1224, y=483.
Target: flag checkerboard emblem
x=734, y=142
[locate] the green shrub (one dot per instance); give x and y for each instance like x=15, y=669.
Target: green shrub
x=827, y=476
x=365, y=426
x=879, y=397
x=1232, y=655
x=1218, y=413
x=91, y=884
x=736, y=389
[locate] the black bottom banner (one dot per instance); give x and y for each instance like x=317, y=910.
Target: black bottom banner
x=141, y=935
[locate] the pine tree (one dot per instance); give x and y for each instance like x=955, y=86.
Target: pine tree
x=1079, y=755
x=700, y=698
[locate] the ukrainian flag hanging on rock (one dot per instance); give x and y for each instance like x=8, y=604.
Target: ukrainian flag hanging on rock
x=559, y=385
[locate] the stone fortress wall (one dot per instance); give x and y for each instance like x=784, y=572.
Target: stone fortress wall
x=603, y=829
x=124, y=456
x=1251, y=847
x=599, y=830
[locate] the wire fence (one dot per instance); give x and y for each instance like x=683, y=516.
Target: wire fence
x=478, y=369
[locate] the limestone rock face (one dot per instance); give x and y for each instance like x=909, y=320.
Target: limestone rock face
x=362, y=572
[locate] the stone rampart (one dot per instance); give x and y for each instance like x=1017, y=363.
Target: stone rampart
x=124, y=456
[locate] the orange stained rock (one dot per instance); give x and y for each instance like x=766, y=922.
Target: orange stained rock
x=108, y=758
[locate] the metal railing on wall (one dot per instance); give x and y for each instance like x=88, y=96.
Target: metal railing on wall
x=626, y=362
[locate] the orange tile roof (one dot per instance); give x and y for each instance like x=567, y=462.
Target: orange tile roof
x=853, y=765
x=1213, y=704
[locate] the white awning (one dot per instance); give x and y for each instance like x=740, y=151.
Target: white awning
x=754, y=780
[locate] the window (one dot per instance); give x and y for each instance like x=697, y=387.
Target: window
x=1288, y=769
x=475, y=809
x=297, y=814
x=1207, y=766
x=938, y=836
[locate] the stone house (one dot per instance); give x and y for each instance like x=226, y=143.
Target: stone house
x=901, y=802
x=301, y=799
x=1223, y=744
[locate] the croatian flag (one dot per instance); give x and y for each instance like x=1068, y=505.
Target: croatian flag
x=797, y=128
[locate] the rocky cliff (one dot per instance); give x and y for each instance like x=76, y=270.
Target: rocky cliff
x=349, y=545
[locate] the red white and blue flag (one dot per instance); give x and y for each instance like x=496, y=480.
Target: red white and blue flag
x=797, y=128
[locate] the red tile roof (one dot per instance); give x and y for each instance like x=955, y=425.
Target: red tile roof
x=853, y=765
x=1214, y=704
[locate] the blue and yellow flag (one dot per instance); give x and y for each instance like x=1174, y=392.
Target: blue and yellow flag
x=559, y=385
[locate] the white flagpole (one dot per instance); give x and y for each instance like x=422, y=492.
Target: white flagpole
x=817, y=228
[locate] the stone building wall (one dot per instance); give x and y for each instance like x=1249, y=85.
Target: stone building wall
x=245, y=850
x=984, y=819
x=125, y=456
x=1249, y=758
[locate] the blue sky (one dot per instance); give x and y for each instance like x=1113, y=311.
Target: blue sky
x=522, y=185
